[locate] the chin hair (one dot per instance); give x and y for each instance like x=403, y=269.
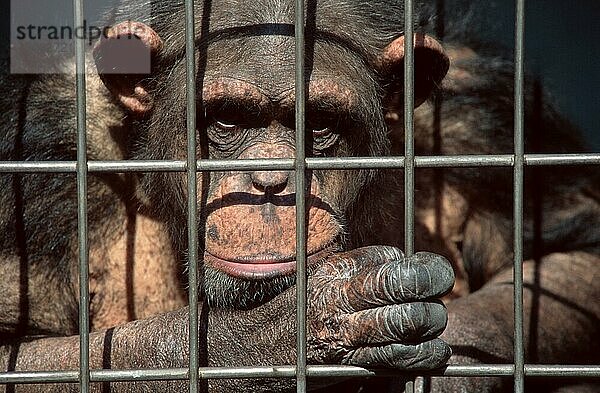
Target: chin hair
x=223, y=291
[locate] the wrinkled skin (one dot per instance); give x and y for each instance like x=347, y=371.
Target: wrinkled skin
x=371, y=324
x=358, y=314
x=367, y=304
x=404, y=335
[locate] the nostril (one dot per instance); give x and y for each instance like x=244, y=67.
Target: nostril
x=270, y=182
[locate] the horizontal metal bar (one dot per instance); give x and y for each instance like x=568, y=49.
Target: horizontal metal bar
x=137, y=166
x=38, y=167
x=531, y=370
x=562, y=159
x=505, y=160
x=145, y=166
x=39, y=377
x=463, y=161
x=562, y=371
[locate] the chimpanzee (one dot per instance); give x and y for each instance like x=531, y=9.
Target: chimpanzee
x=368, y=304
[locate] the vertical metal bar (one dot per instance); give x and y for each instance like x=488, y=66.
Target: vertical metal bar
x=300, y=170
x=519, y=381
x=82, y=230
x=192, y=192
x=409, y=151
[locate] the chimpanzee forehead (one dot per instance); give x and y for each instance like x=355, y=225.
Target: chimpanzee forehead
x=366, y=25
x=282, y=34
x=359, y=20
x=268, y=61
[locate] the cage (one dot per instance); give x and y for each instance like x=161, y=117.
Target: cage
x=408, y=163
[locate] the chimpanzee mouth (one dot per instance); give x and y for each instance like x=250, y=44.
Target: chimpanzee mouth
x=266, y=266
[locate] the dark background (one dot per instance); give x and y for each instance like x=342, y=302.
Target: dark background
x=562, y=49
x=562, y=42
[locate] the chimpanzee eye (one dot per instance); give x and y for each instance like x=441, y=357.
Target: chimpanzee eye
x=226, y=130
x=324, y=138
x=225, y=117
x=226, y=126
x=321, y=132
x=323, y=122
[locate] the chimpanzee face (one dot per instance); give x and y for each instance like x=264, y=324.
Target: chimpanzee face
x=245, y=110
x=250, y=217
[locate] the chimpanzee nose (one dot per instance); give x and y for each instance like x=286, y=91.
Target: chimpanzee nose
x=270, y=182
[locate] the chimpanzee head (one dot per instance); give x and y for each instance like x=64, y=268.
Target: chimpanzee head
x=245, y=109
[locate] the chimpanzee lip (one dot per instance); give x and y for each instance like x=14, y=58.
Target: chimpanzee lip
x=264, y=267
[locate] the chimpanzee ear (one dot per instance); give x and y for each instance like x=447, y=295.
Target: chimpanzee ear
x=123, y=59
x=431, y=65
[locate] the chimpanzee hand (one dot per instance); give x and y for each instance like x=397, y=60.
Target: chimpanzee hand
x=373, y=307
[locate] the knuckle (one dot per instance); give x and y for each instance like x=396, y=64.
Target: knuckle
x=440, y=353
x=337, y=266
x=376, y=255
x=428, y=355
x=436, y=270
x=389, y=253
x=420, y=321
x=437, y=315
x=329, y=337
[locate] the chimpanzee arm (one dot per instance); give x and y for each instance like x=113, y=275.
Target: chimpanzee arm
x=161, y=341
x=368, y=307
x=560, y=322
x=561, y=318
x=158, y=342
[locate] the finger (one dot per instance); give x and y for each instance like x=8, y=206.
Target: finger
x=420, y=277
x=407, y=322
x=351, y=262
x=423, y=356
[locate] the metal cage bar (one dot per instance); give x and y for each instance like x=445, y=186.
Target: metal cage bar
x=300, y=165
x=192, y=200
x=82, y=219
x=501, y=370
x=300, y=178
x=519, y=119
x=339, y=163
x=409, y=143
